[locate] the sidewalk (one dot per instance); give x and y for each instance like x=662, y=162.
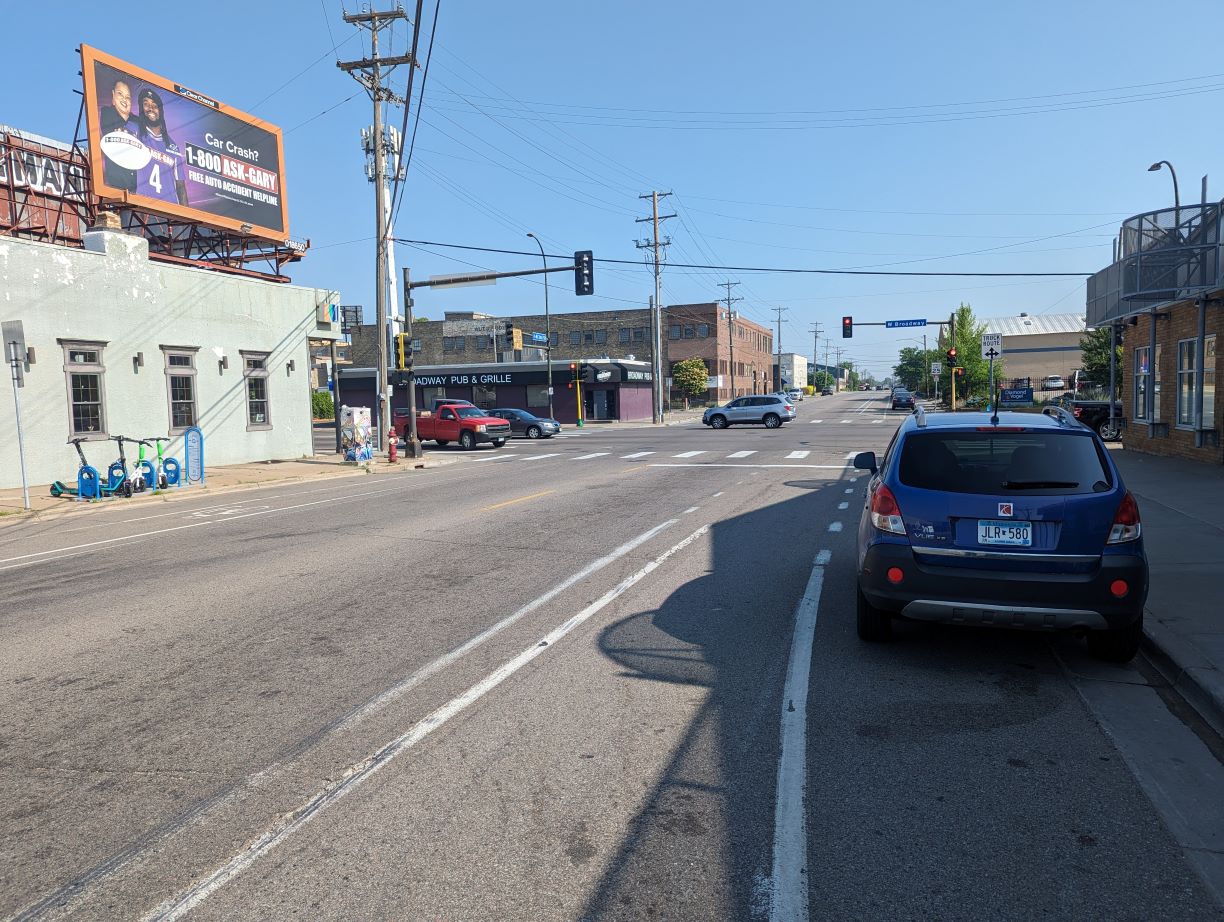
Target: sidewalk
x=1182, y=507
x=219, y=479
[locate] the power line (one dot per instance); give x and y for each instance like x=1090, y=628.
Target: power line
x=781, y=270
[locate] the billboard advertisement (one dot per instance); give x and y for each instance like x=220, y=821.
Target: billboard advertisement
x=161, y=147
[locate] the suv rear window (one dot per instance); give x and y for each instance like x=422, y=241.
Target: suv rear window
x=1020, y=463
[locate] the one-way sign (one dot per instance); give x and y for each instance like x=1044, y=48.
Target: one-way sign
x=992, y=345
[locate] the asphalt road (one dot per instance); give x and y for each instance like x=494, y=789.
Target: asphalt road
x=565, y=680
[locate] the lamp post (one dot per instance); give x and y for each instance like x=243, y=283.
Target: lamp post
x=1155, y=168
x=547, y=326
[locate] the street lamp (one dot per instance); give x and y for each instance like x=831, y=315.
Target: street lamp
x=1155, y=168
x=547, y=325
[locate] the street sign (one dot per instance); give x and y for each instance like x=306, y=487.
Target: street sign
x=992, y=345
x=937, y=369
x=894, y=324
x=539, y=338
x=1015, y=396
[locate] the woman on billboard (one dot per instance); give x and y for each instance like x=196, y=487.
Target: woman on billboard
x=162, y=176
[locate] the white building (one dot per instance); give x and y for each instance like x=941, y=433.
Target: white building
x=128, y=346
x=794, y=370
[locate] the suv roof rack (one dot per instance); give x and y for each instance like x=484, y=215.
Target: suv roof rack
x=1062, y=416
x=920, y=415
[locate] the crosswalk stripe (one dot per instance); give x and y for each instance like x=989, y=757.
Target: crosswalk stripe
x=816, y=420
x=797, y=455
x=594, y=454
x=541, y=457
x=636, y=454
x=880, y=420
x=689, y=454
x=845, y=420
x=736, y=454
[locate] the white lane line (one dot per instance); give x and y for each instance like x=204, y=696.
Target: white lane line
x=554, y=454
x=27, y=559
x=716, y=495
x=594, y=454
x=789, y=899
x=736, y=454
x=501, y=457
x=636, y=454
x=852, y=456
x=843, y=505
x=690, y=509
x=849, y=490
x=846, y=420
x=689, y=454
x=814, y=467
x=798, y=455
x=178, y=906
x=816, y=420
x=854, y=480
x=835, y=526
x=880, y=420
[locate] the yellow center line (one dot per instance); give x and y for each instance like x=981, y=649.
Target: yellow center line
x=521, y=499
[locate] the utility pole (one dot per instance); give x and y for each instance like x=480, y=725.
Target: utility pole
x=731, y=329
x=814, y=329
x=656, y=314
x=828, y=342
x=837, y=378
x=369, y=72
x=778, y=377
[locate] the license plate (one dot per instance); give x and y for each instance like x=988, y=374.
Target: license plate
x=1011, y=534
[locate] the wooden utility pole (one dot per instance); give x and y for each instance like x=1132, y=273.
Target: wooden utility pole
x=656, y=315
x=731, y=329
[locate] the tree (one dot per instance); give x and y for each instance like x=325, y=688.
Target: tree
x=968, y=342
x=912, y=368
x=820, y=379
x=1094, y=345
x=691, y=377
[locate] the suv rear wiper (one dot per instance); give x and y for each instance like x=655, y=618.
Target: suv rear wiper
x=1037, y=484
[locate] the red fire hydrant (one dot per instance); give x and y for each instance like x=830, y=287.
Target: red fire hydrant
x=392, y=445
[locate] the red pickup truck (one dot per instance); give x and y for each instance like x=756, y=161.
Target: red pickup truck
x=467, y=425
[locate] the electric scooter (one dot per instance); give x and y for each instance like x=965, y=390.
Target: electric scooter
x=144, y=474
x=119, y=477
x=88, y=485
x=167, y=471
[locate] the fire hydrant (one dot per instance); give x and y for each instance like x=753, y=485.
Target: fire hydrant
x=392, y=445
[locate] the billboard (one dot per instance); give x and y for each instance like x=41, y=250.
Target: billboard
x=161, y=147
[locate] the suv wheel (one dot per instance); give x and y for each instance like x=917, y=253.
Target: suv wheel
x=718, y=422
x=772, y=421
x=1118, y=645
x=874, y=625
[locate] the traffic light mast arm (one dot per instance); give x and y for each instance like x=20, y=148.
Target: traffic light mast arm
x=486, y=277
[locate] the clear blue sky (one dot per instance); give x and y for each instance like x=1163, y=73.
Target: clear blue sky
x=887, y=134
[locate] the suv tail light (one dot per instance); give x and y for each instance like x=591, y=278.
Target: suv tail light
x=1126, y=521
x=885, y=513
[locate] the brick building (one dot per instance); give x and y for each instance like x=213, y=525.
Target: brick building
x=689, y=331
x=1165, y=292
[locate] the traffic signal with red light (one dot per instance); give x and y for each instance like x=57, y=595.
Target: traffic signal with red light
x=569, y=385
x=952, y=356
x=847, y=327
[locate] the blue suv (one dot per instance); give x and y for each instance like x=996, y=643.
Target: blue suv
x=1016, y=520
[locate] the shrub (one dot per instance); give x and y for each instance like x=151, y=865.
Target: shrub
x=321, y=406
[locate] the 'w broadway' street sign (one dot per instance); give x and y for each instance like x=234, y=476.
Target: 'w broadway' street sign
x=893, y=324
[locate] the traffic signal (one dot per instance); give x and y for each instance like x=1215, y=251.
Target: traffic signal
x=573, y=376
x=952, y=356
x=584, y=272
x=403, y=351
x=959, y=371
x=508, y=337
x=847, y=327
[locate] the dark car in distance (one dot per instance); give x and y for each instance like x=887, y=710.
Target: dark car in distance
x=1019, y=520
x=902, y=399
x=526, y=423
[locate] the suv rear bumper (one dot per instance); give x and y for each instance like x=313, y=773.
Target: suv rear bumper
x=1033, y=601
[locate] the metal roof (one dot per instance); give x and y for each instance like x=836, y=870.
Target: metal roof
x=1036, y=324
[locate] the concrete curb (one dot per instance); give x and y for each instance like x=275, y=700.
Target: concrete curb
x=1186, y=670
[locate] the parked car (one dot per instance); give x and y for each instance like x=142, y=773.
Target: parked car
x=826, y=392
x=1094, y=413
x=465, y=424
x=450, y=401
x=1020, y=521
x=902, y=399
x=795, y=394
x=1053, y=383
x=527, y=424
x=770, y=410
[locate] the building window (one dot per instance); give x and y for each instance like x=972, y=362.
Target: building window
x=1209, y=378
x=673, y=331
x=416, y=345
x=1187, y=367
x=482, y=342
x=537, y=395
x=86, y=396
x=703, y=330
x=576, y=338
x=554, y=339
x=484, y=396
x=181, y=382
x=639, y=334
x=255, y=370
x=623, y=335
x=690, y=331
x=454, y=343
x=601, y=337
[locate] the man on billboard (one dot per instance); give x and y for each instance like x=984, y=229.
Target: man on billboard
x=118, y=117
x=162, y=176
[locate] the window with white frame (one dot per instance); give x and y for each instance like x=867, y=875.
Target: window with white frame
x=181, y=387
x=1143, y=383
x=255, y=370
x=1187, y=370
x=86, y=396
